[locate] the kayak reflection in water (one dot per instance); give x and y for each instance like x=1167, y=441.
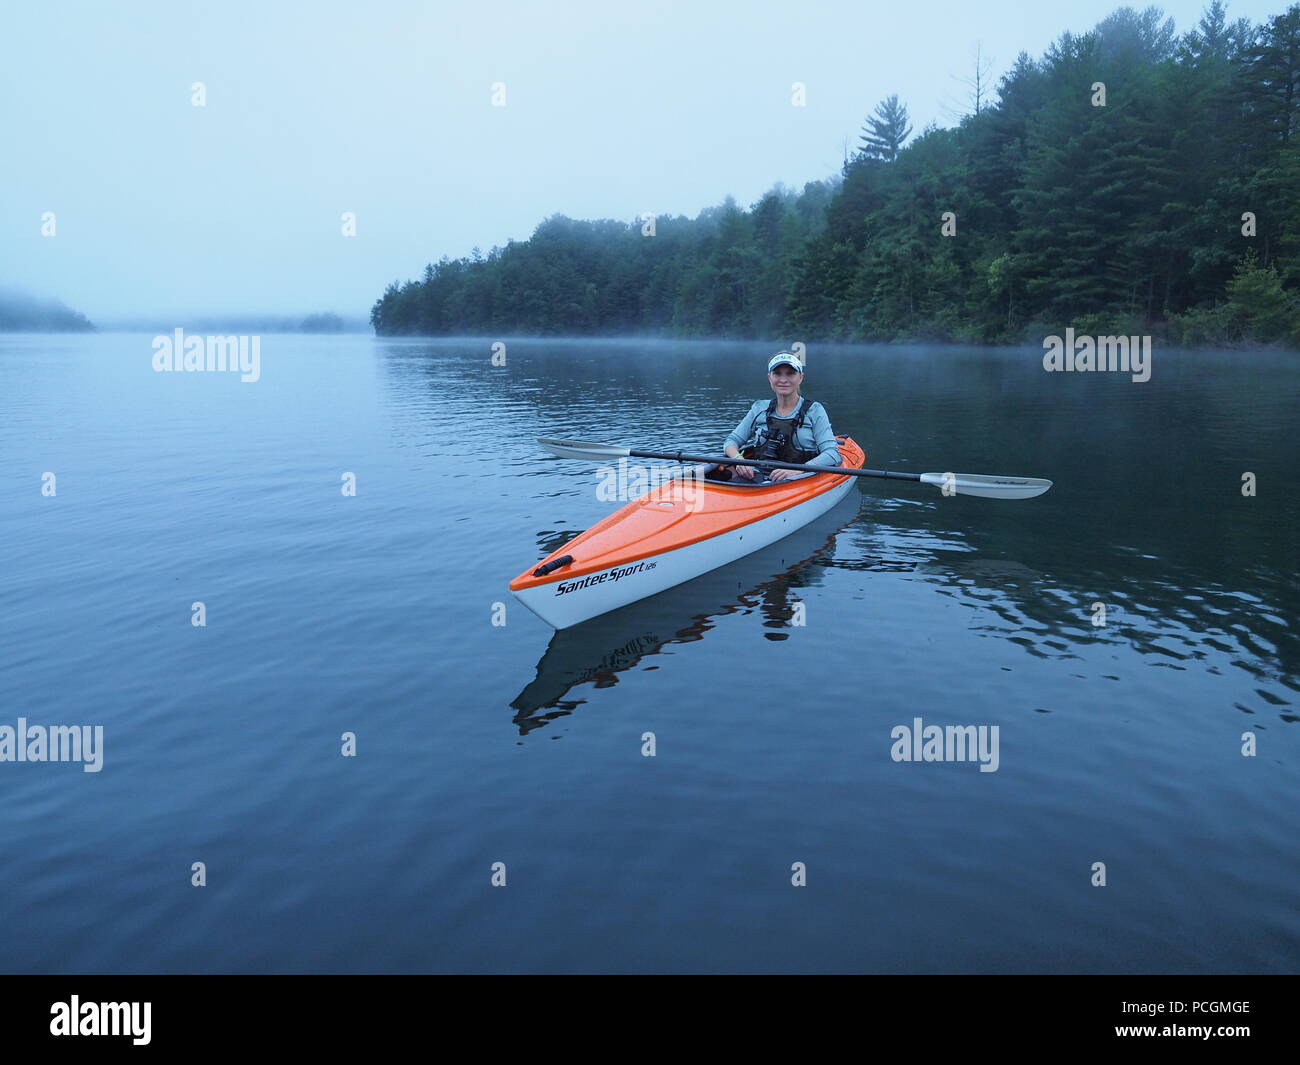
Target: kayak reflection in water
x=787, y=428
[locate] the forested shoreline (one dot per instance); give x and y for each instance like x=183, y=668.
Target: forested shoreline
x=21, y=312
x=1132, y=180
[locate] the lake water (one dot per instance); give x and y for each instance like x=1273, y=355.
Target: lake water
x=479, y=743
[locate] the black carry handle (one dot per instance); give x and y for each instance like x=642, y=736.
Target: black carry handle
x=542, y=571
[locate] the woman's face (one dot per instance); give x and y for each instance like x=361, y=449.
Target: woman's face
x=785, y=380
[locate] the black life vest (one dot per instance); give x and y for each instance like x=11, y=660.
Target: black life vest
x=787, y=427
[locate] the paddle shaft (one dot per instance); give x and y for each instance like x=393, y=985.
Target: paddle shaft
x=773, y=464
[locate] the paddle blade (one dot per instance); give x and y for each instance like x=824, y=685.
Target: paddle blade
x=989, y=487
x=582, y=449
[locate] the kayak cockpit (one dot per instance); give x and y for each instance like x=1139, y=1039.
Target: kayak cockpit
x=707, y=471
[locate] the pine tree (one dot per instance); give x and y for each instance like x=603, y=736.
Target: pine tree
x=883, y=136
x=1272, y=82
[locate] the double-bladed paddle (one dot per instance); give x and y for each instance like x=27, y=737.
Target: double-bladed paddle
x=968, y=484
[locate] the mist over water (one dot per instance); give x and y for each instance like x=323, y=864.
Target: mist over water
x=372, y=614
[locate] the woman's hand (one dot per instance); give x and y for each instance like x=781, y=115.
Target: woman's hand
x=747, y=472
x=781, y=475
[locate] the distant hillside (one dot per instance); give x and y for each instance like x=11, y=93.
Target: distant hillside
x=323, y=322
x=21, y=312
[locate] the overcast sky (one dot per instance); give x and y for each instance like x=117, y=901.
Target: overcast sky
x=385, y=109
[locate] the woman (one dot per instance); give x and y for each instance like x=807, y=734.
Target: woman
x=788, y=427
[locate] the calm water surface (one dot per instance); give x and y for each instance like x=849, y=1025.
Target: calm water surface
x=478, y=743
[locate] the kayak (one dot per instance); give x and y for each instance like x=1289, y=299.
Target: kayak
x=599, y=650
x=671, y=534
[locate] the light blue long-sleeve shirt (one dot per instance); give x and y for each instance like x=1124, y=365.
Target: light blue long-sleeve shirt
x=815, y=434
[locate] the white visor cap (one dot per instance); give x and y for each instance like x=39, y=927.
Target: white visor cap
x=787, y=358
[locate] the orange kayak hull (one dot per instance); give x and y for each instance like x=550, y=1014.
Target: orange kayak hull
x=671, y=534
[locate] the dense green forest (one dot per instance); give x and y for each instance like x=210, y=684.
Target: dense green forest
x=1166, y=199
